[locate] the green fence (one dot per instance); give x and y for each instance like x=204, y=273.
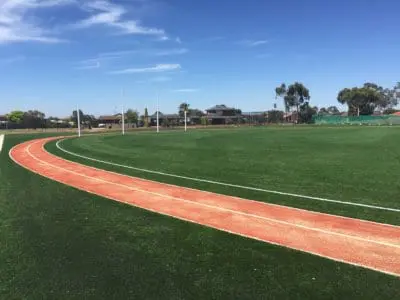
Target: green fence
x=361, y=120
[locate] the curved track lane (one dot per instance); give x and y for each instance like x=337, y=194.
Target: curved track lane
x=362, y=243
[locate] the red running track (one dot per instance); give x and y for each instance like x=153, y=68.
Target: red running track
x=362, y=243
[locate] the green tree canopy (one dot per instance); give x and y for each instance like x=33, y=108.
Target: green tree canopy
x=83, y=118
x=182, y=108
x=306, y=113
x=331, y=110
x=323, y=111
x=294, y=95
x=132, y=116
x=195, y=113
x=33, y=119
x=74, y=116
x=280, y=91
x=146, y=118
x=16, y=116
x=390, y=111
x=274, y=116
x=366, y=99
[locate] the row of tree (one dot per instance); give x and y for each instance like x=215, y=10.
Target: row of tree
x=296, y=97
x=368, y=98
x=189, y=112
x=363, y=100
x=29, y=119
x=36, y=119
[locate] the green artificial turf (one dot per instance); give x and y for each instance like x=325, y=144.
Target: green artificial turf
x=61, y=243
x=358, y=164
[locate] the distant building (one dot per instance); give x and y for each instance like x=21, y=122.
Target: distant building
x=377, y=113
x=254, y=117
x=221, y=115
x=153, y=118
x=110, y=120
x=3, y=121
x=291, y=117
x=172, y=119
x=164, y=119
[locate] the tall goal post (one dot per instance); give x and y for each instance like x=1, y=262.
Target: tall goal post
x=123, y=120
x=157, y=112
x=185, y=119
x=78, y=120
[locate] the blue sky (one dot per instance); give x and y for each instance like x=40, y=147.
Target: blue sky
x=101, y=54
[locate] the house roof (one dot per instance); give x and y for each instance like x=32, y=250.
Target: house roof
x=215, y=117
x=220, y=107
x=171, y=116
x=164, y=116
x=3, y=117
x=112, y=117
x=289, y=114
x=160, y=115
x=253, y=113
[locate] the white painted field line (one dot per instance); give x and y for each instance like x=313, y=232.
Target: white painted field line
x=1, y=141
x=267, y=204
x=28, y=151
x=216, y=227
x=228, y=184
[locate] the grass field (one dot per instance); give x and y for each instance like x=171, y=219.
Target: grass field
x=60, y=243
x=358, y=165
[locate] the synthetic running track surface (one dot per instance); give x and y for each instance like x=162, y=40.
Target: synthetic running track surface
x=367, y=244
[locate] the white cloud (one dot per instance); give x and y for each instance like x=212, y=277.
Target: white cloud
x=110, y=14
x=185, y=90
x=116, y=54
x=89, y=64
x=160, y=79
x=156, y=68
x=258, y=43
x=106, y=56
x=15, y=26
x=104, y=59
x=163, y=38
x=134, y=27
x=172, y=52
x=252, y=43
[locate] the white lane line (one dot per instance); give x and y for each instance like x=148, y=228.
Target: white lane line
x=228, y=231
x=1, y=141
x=211, y=206
x=266, y=204
x=227, y=184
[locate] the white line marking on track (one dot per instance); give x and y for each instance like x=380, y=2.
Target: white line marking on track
x=227, y=184
x=267, y=204
x=212, y=206
x=1, y=141
x=235, y=233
